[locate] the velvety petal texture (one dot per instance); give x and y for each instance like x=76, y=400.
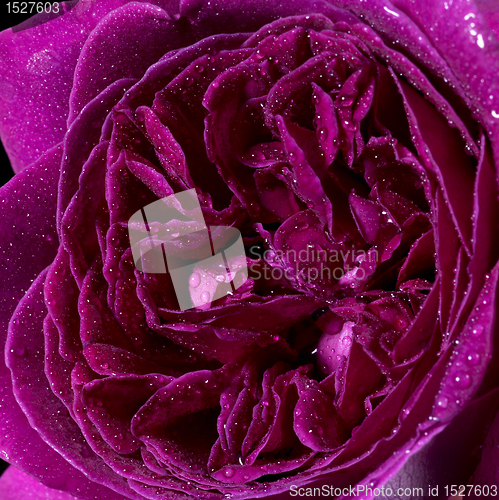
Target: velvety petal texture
x=350, y=147
x=16, y=484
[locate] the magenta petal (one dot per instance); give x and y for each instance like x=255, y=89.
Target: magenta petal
x=256, y=13
x=487, y=471
x=36, y=68
x=473, y=352
x=316, y=421
x=308, y=184
x=411, y=351
x=466, y=56
x=451, y=456
x=367, y=216
x=47, y=414
x=490, y=12
x=123, y=45
x=113, y=402
x=29, y=193
x=28, y=196
x=462, y=37
x=16, y=484
x=179, y=420
x=454, y=169
x=485, y=216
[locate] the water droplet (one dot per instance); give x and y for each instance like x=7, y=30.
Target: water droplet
x=462, y=380
x=442, y=402
x=220, y=278
x=473, y=359
x=18, y=351
x=323, y=133
x=477, y=331
x=194, y=280
x=205, y=297
x=229, y=472
x=301, y=226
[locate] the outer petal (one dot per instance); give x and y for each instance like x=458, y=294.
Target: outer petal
x=27, y=249
x=488, y=469
x=46, y=413
x=27, y=246
x=467, y=45
x=16, y=484
x=490, y=11
x=37, y=67
x=453, y=42
x=450, y=457
x=123, y=45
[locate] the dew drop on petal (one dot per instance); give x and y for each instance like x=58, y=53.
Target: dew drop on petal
x=462, y=380
x=473, y=359
x=194, y=280
x=477, y=331
x=442, y=402
x=19, y=351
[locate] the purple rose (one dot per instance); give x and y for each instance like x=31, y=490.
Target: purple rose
x=352, y=144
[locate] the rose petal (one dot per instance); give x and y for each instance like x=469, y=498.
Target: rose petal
x=37, y=67
x=46, y=413
x=16, y=484
x=454, y=170
x=450, y=457
x=487, y=472
x=123, y=45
